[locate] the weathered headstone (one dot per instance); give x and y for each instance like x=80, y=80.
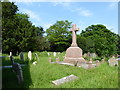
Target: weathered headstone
x=90, y=62
x=54, y=54
x=30, y=55
x=21, y=56
x=85, y=55
x=48, y=54
x=97, y=62
x=74, y=53
x=64, y=79
x=112, y=61
x=18, y=70
x=93, y=55
x=36, y=56
x=10, y=54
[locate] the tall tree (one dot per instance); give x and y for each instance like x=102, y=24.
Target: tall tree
x=59, y=36
x=18, y=32
x=103, y=40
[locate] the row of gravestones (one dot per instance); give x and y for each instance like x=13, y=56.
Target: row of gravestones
x=29, y=55
x=90, y=64
x=54, y=53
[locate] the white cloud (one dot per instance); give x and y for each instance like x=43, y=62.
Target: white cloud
x=64, y=4
x=113, y=5
x=31, y=14
x=83, y=12
x=46, y=26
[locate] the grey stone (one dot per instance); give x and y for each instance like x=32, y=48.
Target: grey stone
x=113, y=62
x=21, y=56
x=64, y=79
x=36, y=57
x=63, y=63
x=30, y=55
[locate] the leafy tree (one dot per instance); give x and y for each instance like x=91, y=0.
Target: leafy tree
x=59, y=36
x=103, y=41
x=18, y=32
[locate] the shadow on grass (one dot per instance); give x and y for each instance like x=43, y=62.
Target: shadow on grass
x=9, y=78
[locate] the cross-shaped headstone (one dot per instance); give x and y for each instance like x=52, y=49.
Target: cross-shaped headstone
x=74, y=44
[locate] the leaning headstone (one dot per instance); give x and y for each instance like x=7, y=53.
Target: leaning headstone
x=18, y=70
x=64, y=79
x=112, y=61
x=21, y=56
x=54, y=54
x=30, y=55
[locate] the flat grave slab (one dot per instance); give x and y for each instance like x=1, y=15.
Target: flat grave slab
x=64, y=79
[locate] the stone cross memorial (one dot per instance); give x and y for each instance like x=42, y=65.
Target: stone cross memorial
x=74, y=53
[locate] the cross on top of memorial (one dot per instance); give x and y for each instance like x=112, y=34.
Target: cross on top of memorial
x=74, y=28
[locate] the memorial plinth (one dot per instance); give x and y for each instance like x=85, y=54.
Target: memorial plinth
x=74, y=53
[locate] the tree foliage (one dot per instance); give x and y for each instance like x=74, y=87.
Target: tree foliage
x=100, y=40
x=59, y=35
x=18, y=32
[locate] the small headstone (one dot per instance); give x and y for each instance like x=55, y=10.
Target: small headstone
x=21, y=56
x=57, y=59
x=103, y=60
x=10, y=53
x=90, y=62
x=36, y=56
x=97, y=62
x=112, y=61
x=30, y=55
x=64, y=79
x=85, y=55
x=48, y=54
x=34, y=63
x=54, y=54
x=93, y=55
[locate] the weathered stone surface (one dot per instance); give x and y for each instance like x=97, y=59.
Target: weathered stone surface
x=63, y=63
x=74, y=53
x=21, y=56
x=54, y=54
x=112, y=61
x=87, y=66
x=36, y=57
x=30, y=55
x=64, y=79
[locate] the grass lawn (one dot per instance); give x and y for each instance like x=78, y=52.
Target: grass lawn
x=41, y=74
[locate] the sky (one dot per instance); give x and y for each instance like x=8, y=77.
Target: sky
x=83, y=14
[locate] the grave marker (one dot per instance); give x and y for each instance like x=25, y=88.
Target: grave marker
x=74, y=53
x=64, y=79
x=21, y=56
x=30, y=55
